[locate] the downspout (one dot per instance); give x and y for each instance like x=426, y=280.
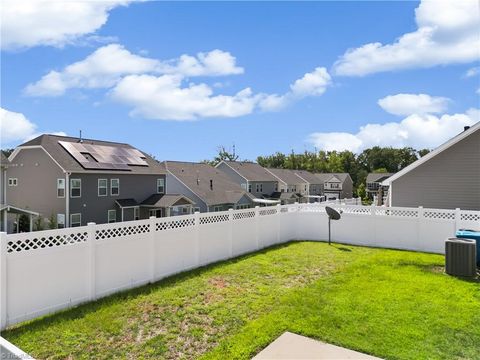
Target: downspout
x=67, y=199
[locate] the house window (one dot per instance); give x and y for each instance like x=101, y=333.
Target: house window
x=244, y=186
x=60, y=221
x=160, y=186
x=259, y=188
x=136, y=213
x=242, y=206
x=12, y=182
x=112, y=216
x=114, y=187
x=155, y=212
x=75, y=188
x=196, y=209
x=217, y=208
x=75, y=220
x=102, y=187
x=249, y=188
x=60, y=188
x=276, y=187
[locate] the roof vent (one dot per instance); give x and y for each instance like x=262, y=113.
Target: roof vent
x=465, y=128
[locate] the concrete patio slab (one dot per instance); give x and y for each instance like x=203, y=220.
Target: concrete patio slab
x=295, y=347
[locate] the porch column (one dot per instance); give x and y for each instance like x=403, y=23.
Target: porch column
x=5, y=219
x=18, y=225
x=31, y=222
x=122, y=214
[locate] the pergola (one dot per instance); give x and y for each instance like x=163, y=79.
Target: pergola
x=5, y=209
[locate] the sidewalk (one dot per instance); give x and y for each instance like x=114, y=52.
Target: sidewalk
x=295, y=347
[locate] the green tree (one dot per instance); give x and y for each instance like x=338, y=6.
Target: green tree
x=38, y=224
x=52, y=222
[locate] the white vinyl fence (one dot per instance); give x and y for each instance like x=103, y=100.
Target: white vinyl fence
x=45, y=271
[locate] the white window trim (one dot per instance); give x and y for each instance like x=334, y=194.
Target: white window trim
x=71, y=219
x=71, y=188
x=106, y=187
x=196, y=209
x=111, y=187
x=217, y=208
x=154, y=212
x=12, y=181
x=163, y=185
x=59, y=188
x=108, y=216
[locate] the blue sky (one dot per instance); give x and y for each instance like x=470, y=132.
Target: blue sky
x=428, y=96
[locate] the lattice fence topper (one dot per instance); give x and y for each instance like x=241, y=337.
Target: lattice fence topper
x=407, y=213
x=121, y=231
x=42, y=242
x=213, y=219
x=243, y=215
x=355, y=210
x=174, y=224
x=264, y=212
x=470, y=216
x=435, y=214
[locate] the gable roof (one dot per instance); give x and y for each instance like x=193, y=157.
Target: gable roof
x=197, y=176
x=50, y=143
x=166, y=200
x=333, y=177
x=287, y=176
x=309, y=177
x=377, y=177
x=472, y=130
x=251, y=171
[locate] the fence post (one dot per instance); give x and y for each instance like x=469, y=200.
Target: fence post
x=419, y=227
x=458, y=218
x=197, y=237
x=152, y=232
x=257, y=235
x=279, y=208
x=230, y=231
x=3, y=280
x=91, y=261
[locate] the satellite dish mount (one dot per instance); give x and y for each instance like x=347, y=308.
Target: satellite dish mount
x=332, y=215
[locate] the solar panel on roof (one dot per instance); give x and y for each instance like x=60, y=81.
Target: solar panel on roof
x=92, y=156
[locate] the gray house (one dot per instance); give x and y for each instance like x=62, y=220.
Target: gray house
x=292, y=188
x=374, y=184
x=76, y=181
x=315, y=184
x=251, y=177
x=336, y=185
x=446, y=178
x=210, y=188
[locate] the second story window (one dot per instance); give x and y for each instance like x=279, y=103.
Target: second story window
x=160, y=186
x=249, y=188
x=259, y=188
x=75, y=188
x=60, y=188
x=102, y=187
x=12, y=182
x=114, y=187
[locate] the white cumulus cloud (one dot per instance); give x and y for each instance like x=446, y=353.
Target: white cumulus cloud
x=417, y=130
x=406, y=104
x=447, y=32
x=28, y=23
x=108, y=64
x=15, y=127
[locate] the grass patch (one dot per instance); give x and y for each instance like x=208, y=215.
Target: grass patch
x=392, y=304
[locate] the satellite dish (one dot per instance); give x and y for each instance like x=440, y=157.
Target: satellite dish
x=332, y=215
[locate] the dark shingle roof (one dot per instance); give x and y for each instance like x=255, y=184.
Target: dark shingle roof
x=51, y=144
x=224, y=190
x=126, y=202
x=287, y=176
x=378, y=177
x=311, y=178
x=327, y=177
x=166, y=200
x=251, y=171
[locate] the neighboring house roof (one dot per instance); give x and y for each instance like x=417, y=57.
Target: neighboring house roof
x=333, y=177
x=472, y=130
x=125, y=203
x=3, y=159
x=17, y=210
x=286, y=176
x=378, y=177
x=251, y=171
x=197, y=176
x=68, y=163
x=309, y=177
x=166, y=200
x=283, y=195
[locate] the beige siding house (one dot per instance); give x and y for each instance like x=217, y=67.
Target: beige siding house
x=446, y=178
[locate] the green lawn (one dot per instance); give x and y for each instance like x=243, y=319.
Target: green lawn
x=392, y=304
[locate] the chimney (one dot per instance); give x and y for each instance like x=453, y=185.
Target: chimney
x=211, y=184
x=80, y=140
x=465, y=128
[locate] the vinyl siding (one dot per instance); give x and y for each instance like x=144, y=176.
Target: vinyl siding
x=177, y=187
x=447, y=181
